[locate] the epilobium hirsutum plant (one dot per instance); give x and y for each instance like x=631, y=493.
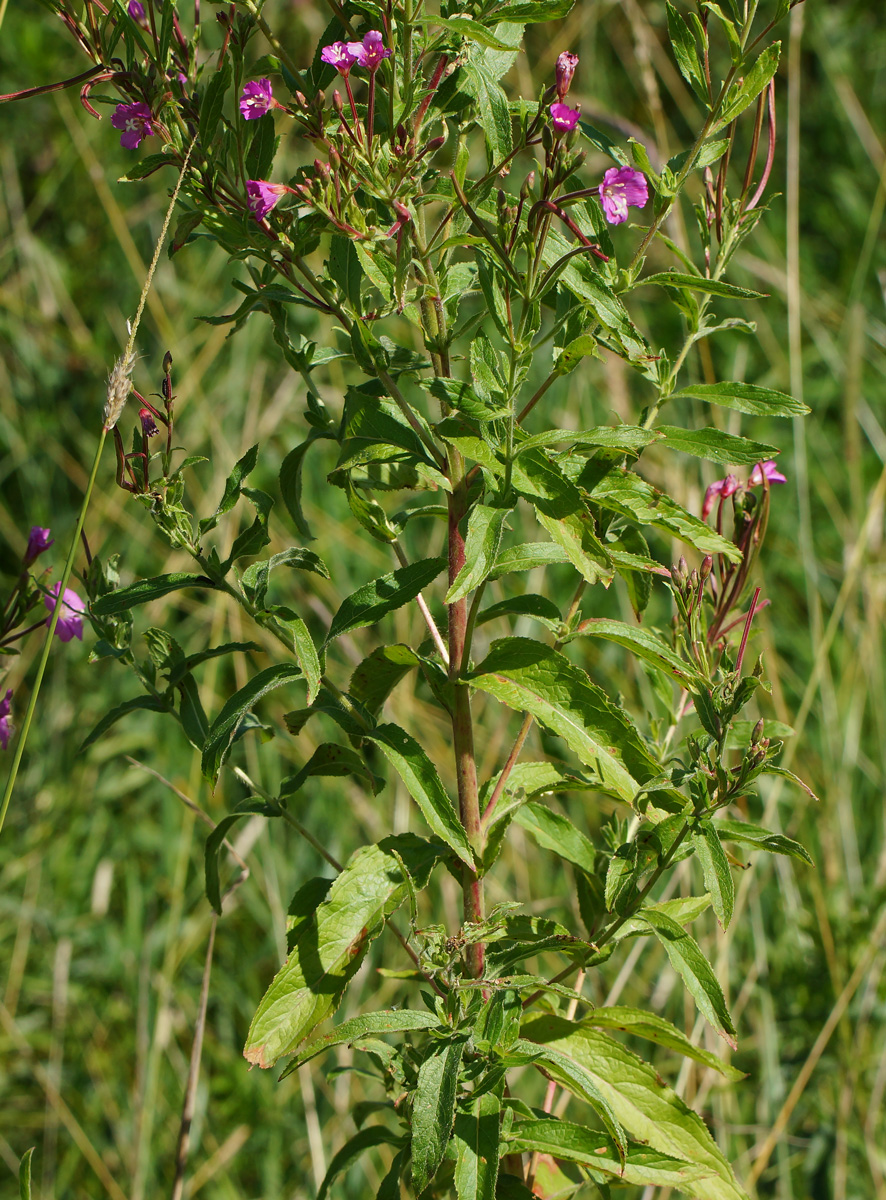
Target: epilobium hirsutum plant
x=465, y=260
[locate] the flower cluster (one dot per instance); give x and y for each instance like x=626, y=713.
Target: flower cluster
x=370, y=53
x=722, y=489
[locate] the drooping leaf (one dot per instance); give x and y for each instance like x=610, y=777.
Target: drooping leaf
x=330, y=760
x=485, y=528
x=375, y=600
x=717, y=872
x=378, y=674
x=477, y=1135
x=146, y=590
x=283, y=621
x=354, y=1148
x=223, y=728
x=656, y=1029
x=761, y=839
x=256, y=576
x=423, y=783
x=290, y=481
x=178, y=671
x=136, y=704
x=433, y=1110
x=210, y=858
x=233, y=487
x=746, y=398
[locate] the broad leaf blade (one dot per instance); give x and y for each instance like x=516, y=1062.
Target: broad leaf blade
x=642, y=642
x=393, y=1020
x=717, y=446
x=485, y=528
x=554, y=831
x=715, y=867
x=656, y=1029
x=433, y=1111
x=477, y=1134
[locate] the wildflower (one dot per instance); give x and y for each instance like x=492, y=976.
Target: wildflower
x=372, y=51
x=5, y=720
x=342, y=55
x=621, y=188
x=263, y=196
x=149, y=426
x=70, y=622
x=768, y=471
x=256, y=99
x=38, y=541
x=566, y=64
x=722, y=488
x=136, y=122
x=563, y=118
x=137, y=11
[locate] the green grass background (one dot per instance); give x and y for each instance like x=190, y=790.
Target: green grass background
x=103, y=922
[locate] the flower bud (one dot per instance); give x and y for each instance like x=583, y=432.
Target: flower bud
x=528, y=184
x=707, y=564
x=337, y=102
x=566, y=64
x=693, y=579
x=757, y=732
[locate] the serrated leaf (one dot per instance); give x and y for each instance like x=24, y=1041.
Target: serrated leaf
x=698, y=283
x=392, y=1020
x=716, y=445
x=656, y=1029
x=743, y=94
x=530, y=677
x=477, y=1134
x=212, y=103
x=492, y=106
x=485, y=529
x=223, y=728
x=145, y=591
x=746, y=398
x=376, y=676
x=647, y=1108
x=527, y=557
x=533, y=11
x=762, y=839
x=284, y=621
x=433, y=1111
x=642, y=642
x=375, y=600
x=694, y=969
x=331, y=943
x=528, y=605
x=716, y=870
x=685, y=51
x=554, y=831
x=456, y=394
x=420, y=776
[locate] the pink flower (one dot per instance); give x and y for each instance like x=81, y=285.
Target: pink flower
x=263, y=196
x=566, y=64
x=563, y=118
x=149, y=425
x=621, y=188
x=722, y=488
x=373, y=52
x=256, y=99
x=5, y=720
x=137, y=11
x=70, y=622
x=136, y=122
x=342, y=55
x=38, y=541
x=768, y=471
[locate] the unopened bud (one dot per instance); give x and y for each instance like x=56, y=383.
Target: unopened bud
x=167, y=363
x=547, y=138
x=693, y=579
x=707, y=565
x=528, y=184
x=334, y=158
x=401, y=134
x=434, y=145
x=337, y=102
x=757, y=732
x=566, y=64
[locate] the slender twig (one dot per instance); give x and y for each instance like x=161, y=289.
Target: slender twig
x=424, y=610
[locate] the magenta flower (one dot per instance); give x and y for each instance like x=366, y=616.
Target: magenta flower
x=149, y=425
x=137, y=11
x=38, y=541
x=70, y=622
x=768, y=471
x=373, y=52
x=342, y=55
x=722, y=488
x=621, y=188
x=263, y=196
x=566, y=64
x=256, y=99
x=563, y=118
x=136, y=122
x=5, y=720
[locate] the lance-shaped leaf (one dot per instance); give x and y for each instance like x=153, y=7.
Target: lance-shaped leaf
x=366, y=1139
x=375, y=600
x=715, y=867
x=376, y=676
x=393, y=1020
x=656, y=1029
x=295, y=632
x=233, y=487
x=485, y=527
x=716, y=445
x=642, y=642
x=647, y=1108
x=762, y=839
x=222, y=731
x=744, y=93
x=210, y=858
x=492, y=107
x=746, y=398
x=291, y=483
x=433, y=1110
x=330, y=759
x=332, y=941
x=572, y=1075
x=554, y=831
x=136, y=704
x=561, y=510
x=574, y=1143
x=423, y=783
x=456, y=394
x=477, y=1135
x=530, y=677
x=698, y=283
x=526, y=557
x=146, y=590
x=256, y=576
x=694, y=969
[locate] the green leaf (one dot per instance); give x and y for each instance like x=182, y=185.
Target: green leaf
x=492, y=107
x=178, y=670
x=477, y=1134
x=212, y=103
x=145, y=591
x=210, y=858
x=233, y=486
x=290, y=481
x=685, y=51
x=420, y=776
x=332, y=942
x=717, y=872
x=533, y=678
x=375, y=600
x=456, y=394
x=716, y=445
x=223, y=728
x=743, y=94
x=472, y=30
x=698, y=283
x=262, y=148
x=528, y=605
x=366, y=1139
x=433, y=1111
x=24, y=1175
x=485, y=528
x=647, y=1108
x=392, y=1020
x=573, y=1143
x=746, y=398
x=560, y=508
x=533, y=11
x=256, y=576
x=136, y=704
x=373, y=430
x=376, y=676
x=288, y=623
x=254, y=539
x=527, y=557
x=694, y=969
x=572, y=1075
x=761, y=839
x=554, y=831
x=656, y=1029
x=642, y=642
x=628, y=438
x=330, y=760
x=772, y=769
